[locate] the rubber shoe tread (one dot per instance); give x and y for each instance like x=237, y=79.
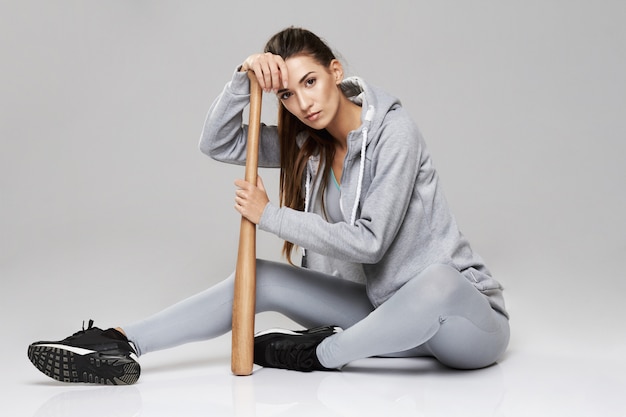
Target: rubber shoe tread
x=88, y=356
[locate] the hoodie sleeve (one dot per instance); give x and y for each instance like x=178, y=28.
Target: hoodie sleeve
x=224, y=135
x=394, y=165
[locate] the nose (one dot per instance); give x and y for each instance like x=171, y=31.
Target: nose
x=304, y=102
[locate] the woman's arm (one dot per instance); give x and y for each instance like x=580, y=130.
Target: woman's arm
x=224, y=136
x=394, y=166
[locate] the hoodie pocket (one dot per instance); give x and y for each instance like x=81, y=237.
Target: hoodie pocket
x=483, y=282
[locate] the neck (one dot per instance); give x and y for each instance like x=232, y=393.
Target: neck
x=348, y=119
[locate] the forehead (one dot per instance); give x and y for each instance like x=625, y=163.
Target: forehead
x=302, y=64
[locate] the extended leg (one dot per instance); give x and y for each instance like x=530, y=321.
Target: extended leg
x=307, y=297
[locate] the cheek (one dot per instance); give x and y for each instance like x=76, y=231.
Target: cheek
x=332, y=99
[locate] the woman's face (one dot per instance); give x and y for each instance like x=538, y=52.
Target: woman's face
x=312, y=94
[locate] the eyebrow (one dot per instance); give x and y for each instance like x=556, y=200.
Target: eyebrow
x=299, y=82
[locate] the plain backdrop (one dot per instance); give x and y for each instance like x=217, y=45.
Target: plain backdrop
x=109, y=211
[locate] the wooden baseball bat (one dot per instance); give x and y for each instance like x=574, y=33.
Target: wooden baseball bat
x=244, y=303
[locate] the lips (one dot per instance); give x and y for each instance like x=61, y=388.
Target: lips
x=313, y=116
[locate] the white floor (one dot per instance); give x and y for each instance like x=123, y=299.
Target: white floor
x=566, y=356
x=195, y=380
x=524, y=384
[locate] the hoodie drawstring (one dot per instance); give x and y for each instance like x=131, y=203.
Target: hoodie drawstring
x=307, y=191
x=359, y=184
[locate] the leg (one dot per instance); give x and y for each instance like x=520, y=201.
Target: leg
x=439, y=312
x=307, y=297
x=310, y=298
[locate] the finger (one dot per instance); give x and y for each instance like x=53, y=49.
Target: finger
x=275, y=68
x=242, y=184
x=257, y=66
x=284, y=73
x=253, y=63
x=276, y=77
x=267, y=72
x=259, y=73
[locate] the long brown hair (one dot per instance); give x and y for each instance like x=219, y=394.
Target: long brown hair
x=293, y=158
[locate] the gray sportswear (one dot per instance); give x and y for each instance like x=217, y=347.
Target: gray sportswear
x=397, y=221
x=438, y=313
x=411, y=285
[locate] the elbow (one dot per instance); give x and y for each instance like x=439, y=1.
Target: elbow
x=368, y=246
x=205, y=147
x=208, y=146
x=373, y=253
x=377, y=255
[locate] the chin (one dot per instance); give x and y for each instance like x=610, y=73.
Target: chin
x=317, y=125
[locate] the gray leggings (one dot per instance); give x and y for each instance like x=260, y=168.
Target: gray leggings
x=438, y=313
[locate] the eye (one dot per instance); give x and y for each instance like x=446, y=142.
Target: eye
x=310, y=82
x=285, y=95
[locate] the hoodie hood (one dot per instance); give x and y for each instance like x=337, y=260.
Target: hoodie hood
x=375, y=104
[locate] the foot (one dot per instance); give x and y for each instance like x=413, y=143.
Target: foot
x=291, y=349
x=91, y=355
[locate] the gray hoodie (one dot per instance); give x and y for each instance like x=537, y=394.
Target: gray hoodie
x=397, y=220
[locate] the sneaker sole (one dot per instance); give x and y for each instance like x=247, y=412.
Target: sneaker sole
x=96, y=367
x=330, y=330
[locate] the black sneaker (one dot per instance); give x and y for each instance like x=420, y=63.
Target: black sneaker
x=291, y=349
x=91, y=355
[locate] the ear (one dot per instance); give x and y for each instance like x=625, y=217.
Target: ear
x=336, y=69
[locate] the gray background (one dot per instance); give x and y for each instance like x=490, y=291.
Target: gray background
x=109, y=211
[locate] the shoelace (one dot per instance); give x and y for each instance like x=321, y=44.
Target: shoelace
x=297, y=357
x=81, y=332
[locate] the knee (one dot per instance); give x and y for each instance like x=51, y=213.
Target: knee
x=459, y=344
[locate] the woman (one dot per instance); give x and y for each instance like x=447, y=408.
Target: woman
x=383, y=257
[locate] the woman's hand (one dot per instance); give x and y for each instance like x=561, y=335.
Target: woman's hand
x=270, y=71
x=250, y=200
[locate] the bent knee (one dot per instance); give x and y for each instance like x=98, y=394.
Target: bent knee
x=460, y=344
